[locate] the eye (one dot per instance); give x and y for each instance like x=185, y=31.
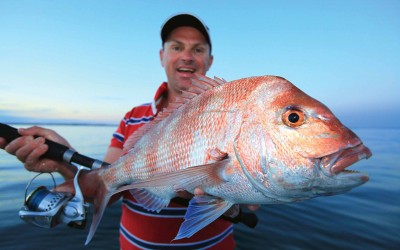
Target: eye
x=199, y=50
x=176, y=48
x=293, y=117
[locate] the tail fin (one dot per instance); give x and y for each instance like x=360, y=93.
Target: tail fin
x=100, y=202
x=95, y=190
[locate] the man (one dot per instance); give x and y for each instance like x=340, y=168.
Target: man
x=186, y=49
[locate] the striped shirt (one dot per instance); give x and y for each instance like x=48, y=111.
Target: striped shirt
x=142, y=229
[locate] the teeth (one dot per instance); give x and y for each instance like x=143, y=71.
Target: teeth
x=186, y=70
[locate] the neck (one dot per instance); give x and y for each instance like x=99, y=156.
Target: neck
x=170, y=98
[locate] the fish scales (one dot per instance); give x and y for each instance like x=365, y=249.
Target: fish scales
x=181, y=140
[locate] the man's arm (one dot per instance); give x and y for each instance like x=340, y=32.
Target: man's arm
x=112, y=154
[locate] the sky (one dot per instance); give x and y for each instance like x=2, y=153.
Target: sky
x=91, y=61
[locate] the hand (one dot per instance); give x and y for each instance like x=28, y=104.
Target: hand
x=184, y=194
x=3, y=142
x=253, y=207
x=231, y=212
x=29, y=149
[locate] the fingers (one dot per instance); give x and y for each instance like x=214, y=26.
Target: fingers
x=33, y=158
x=253, y=207
x=198, y=191
x=3, y=142
x=184, y=194
x=232, y=212
x=27, y=149
x=35, y=130
x=43, y=132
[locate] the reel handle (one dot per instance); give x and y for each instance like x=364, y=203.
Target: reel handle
x=56, y=151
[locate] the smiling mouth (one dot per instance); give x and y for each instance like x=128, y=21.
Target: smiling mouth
x=186, y=70
x=338, y=162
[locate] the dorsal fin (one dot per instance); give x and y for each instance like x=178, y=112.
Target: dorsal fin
x=200, y=84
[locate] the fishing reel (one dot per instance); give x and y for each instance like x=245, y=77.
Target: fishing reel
x=45, y=208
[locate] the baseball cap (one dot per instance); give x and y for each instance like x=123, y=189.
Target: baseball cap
x=184, y=20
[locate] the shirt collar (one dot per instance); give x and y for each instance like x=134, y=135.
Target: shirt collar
x=158, y=97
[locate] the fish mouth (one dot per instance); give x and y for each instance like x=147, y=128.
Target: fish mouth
x=337, y=163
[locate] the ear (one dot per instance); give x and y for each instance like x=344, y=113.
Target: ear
x=210, y=61
x=162, y=57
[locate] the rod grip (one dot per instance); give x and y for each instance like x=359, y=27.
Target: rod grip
x=56, y=151
x=9, y=133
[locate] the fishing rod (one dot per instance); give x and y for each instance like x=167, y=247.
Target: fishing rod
x=76, y=209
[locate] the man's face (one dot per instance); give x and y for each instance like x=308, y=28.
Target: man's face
x=184, y=53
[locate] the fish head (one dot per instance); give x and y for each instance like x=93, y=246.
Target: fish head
x=304, y=150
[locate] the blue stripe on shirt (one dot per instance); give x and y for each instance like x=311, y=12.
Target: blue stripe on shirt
x=139, y=120
x=193, y=245
x=119, y=137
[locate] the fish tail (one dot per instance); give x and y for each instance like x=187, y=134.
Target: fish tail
x=94, y=189
x=100, y=201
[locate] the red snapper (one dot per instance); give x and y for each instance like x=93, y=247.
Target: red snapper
x=256, y=140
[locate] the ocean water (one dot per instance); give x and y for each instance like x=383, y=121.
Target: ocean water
x=367, y=217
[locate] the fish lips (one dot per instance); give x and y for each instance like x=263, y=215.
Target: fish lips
x=335, y=165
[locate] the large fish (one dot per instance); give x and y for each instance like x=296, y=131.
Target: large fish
x=257, y=140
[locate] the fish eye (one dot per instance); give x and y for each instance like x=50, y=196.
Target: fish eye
x=293, y=117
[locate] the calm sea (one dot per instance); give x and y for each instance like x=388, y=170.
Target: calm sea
x=366, y=218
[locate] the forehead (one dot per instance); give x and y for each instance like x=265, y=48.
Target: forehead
x=186, y=34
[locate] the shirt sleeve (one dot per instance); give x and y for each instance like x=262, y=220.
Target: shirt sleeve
x=118, y=136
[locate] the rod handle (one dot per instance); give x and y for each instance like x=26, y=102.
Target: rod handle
x=56, y=150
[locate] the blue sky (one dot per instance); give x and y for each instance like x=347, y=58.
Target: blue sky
x=91, y=61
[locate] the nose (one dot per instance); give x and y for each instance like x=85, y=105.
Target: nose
x=187, y=56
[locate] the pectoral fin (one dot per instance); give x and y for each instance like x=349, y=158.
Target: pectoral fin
x=186, y=179
x=149, y=200
x=202, y=210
